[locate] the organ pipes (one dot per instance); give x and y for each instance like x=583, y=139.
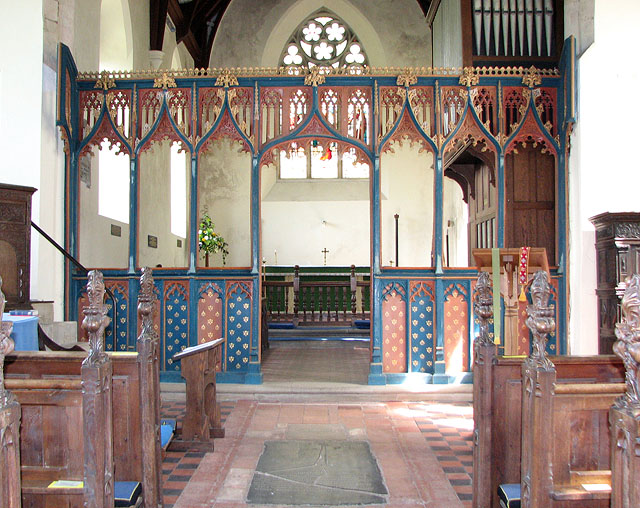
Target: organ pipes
x=513, y=27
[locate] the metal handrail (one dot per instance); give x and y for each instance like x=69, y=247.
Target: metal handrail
x=79, y=265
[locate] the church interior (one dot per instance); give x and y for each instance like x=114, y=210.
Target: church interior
x=290, y=253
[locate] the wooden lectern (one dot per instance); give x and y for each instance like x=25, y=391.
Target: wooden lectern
x=510, y=287
x=202, y=419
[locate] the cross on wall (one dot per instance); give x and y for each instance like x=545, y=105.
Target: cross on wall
x=325, y=252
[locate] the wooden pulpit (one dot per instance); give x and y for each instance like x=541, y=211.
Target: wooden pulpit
x=510, y=288
x=202, y=419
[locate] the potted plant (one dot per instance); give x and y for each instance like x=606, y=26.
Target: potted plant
x=209, y=241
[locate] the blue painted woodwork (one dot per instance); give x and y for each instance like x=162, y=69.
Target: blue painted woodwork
x=179, y=289
x=118, y=328
x=421, y=329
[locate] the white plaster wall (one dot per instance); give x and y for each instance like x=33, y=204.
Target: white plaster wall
x=26, y=126
x=407, y=187
x=302, y=218
x=154, y=209
x=224, y=190
x=578, y=21
x=455, y=222
x=254, y=33
x=97, y=248
x=86, y=41
x=447, y=35
x=603, y=172
x=116, y=44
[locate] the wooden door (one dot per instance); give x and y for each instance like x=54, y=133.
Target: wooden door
x=530, y=200
x=482, y=210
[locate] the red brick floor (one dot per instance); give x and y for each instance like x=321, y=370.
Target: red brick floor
x=424, y=450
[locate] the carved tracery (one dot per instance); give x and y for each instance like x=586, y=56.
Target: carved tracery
x=241, y=103
x=421, y=102
x=406, y=130
x=529, y=133
x=226, y=130
x=514, y=108
x=179, y=104
x=211, y=101
x=90, y=107
x=149, y=109
x=546, y=107
x=484, y=103
x=453, y=102
x=469, y=134
x=119, y=107
x=391, y=103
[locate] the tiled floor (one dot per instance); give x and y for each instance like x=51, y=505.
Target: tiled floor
x=316, y=361
x=423, y=449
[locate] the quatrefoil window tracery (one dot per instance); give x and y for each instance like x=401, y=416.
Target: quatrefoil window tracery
x=323, y=40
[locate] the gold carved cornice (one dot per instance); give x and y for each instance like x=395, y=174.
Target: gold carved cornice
x=105, y=81
x=258, y=72
x=165, y=81
x=315, y=77
x=407, y=78
x=469, y=77
x=532, y=77
x=226, y=79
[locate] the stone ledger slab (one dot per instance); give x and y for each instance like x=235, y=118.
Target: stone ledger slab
x=318, y=472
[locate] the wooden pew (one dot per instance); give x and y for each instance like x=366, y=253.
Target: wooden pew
x=10, y=413
x=49, y=384
x=565, y=433
x=498, y=407
x=624, y=415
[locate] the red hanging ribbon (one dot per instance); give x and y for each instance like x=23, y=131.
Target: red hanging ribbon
x=523, y=268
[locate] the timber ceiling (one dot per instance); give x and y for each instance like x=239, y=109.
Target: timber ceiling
x=196, y=23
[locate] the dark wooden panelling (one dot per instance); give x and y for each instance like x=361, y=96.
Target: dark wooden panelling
x=530, y=205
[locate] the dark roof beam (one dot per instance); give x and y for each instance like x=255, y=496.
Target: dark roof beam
x=157, y=22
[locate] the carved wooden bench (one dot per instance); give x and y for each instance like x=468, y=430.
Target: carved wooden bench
x=51, y=386
x=585, y=388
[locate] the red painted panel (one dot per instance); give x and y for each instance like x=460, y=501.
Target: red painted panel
x=209, y=317
x=456, y=333
x=394, y=334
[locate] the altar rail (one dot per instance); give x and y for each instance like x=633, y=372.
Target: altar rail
x=307, y=301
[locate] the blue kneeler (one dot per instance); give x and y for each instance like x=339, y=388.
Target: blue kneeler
x=167, y=430
x=509, y=495
x=127, y=494
x=281, y=326
x=362, y=324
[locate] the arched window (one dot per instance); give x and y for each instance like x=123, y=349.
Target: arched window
x=325, y=41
